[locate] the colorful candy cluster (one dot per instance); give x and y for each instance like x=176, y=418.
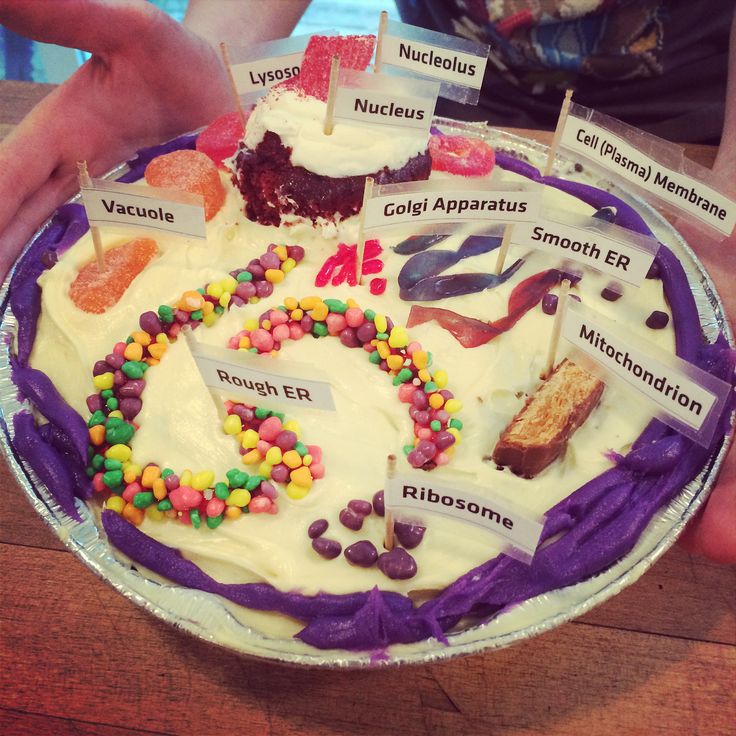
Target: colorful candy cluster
x=432, y=405
x=119, y=380
x=275, y=446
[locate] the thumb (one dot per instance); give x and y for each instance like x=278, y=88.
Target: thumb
x=92, y=25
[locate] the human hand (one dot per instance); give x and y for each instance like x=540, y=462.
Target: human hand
x=148, y=80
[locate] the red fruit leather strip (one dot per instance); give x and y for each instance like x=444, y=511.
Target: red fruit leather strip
x=470, y=332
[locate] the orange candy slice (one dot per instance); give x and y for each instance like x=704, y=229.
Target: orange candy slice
x=95, y=292
x=189, y=171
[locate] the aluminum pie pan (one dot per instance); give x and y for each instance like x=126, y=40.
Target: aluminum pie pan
x=210, y=618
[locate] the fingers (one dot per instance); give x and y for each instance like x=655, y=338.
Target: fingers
x=92, y=25
x=30, y=216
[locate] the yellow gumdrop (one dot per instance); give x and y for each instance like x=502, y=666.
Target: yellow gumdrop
x=190, y=301
x=455, y=432
x=301, y=476
x=141, y=337
x=274, y=275
x=162, y=338
x=224, y=300
x=116, y=504
x=121, y=453
x=297, y=314
x=291, y=303
x=395, y=362
x=214, y=289
x=250, y=324
x=233, y=512
x=419, y=358
x=398, y=337
x=380, y=322
x=274, y=455
x=440, y=379
x=150, y=473
x=233, y=424
x=207, y=308
x=229, y=284
x=185, y=479
x=436, y=401
x=264, y=469
x=238, y=497
x=203, y=480
x=383, y=349
x=157, y=350
x=159, y=489
x=424, y=375
x=293, y=426
x=309, y=302
x=295, y=491
x=281, y=252
x=250, y=439
x=153, y=513
x=292, y=459
x=307, y=460
x=209, y=319
x=319, y=312
x=131, y=472
x=104, y=381
x=252, y=456
x=453, y=405
x=288, y=265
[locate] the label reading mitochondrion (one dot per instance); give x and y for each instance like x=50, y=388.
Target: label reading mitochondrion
x=257, y=377
x=428, y=202
x=131, y=205
x=608, y=248
x=382, y=100
x=687, y=398
x=417, y=493
x=595, y=141
x=457, y=62
x=260, y=66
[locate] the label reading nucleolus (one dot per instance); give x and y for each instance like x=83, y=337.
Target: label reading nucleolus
x=624, y=256
x=628, y=162
x=688, y=398
x=149, y=208
x=472, y=506
x=254, y=377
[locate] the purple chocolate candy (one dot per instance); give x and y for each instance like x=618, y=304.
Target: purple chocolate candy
x=351, y=520
x=657, y=320
x=378, y=505
x=317, y=528
x=359, y=506
x=327, y=548
x=362, y=554
x=397, y=564
x=410, y=535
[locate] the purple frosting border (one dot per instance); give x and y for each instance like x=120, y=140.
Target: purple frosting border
x=596, y=525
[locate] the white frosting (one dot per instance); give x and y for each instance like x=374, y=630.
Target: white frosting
x=299, y=121
x=369, y=423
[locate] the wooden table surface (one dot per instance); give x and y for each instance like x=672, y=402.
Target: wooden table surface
x=77, y=658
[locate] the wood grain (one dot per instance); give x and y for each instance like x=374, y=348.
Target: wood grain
x=78, y=658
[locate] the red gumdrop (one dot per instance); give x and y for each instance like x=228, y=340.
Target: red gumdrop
x=95, y=291
x=458, y=154
x=219, y=140
x=355, y=52
x=377, y=286
x=189, y=171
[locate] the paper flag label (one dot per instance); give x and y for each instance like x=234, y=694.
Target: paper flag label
x=686, y=398
x=149, y=208
x=261, y=377
x=419, y=493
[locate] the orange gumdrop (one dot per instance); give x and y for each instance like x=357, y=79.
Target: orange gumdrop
x=95, y=292
x=189, y=171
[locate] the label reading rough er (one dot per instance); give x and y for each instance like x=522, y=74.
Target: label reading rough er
x=131, y=205
x=257, y=377
x=686, y=398
x=419, y=494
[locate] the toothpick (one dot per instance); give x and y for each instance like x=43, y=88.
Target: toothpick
x=504, y=249
x=382, y=23
x=86, y=183
x=331, y=95
x=233, y=86
x=558, y=132
x=388, y=540
x=557, y=327
x=360, y=249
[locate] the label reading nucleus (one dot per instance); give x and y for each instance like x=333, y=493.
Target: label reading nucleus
x=130, y=205
x=470, y=505
x=686, y=398
x=596, y=142
x=257, y=378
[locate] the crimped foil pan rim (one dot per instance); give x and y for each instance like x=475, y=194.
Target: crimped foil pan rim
x=173, y=604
